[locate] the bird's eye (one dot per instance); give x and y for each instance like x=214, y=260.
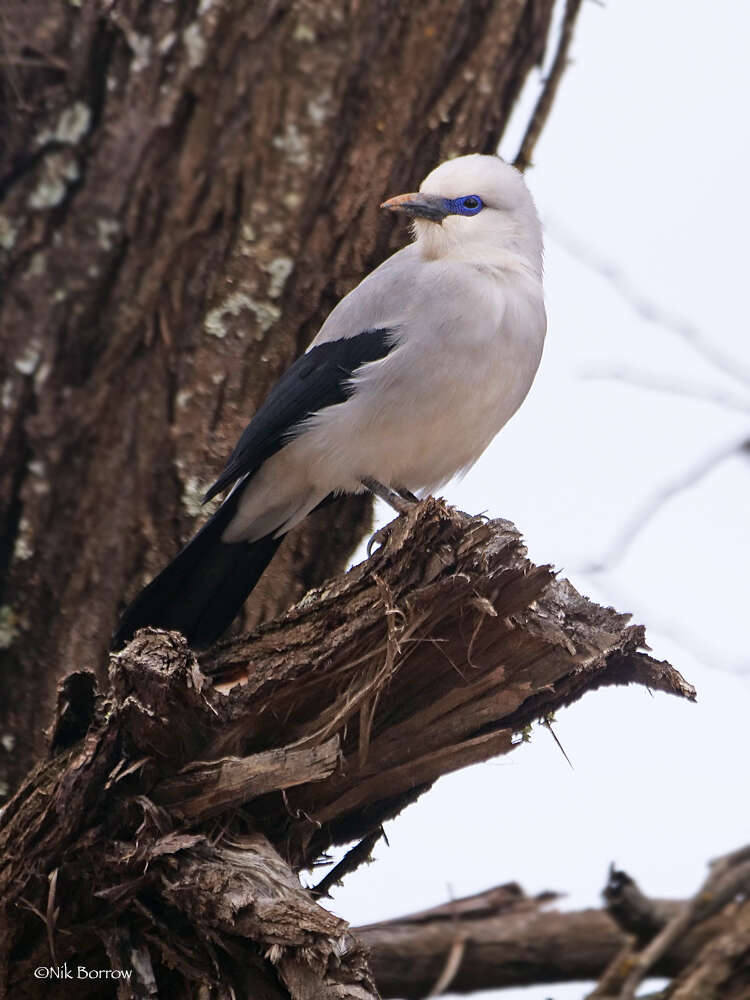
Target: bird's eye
x=470, y=204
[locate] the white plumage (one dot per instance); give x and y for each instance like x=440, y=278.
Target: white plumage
x=465, y=302
x=405, y=385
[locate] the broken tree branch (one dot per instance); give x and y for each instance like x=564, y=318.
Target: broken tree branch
x=505, y=938
x=178, y=810
x=502, y=938
x=634, y=911
x=728, y=878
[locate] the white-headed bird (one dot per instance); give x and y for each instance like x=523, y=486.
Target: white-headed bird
x=408, y=380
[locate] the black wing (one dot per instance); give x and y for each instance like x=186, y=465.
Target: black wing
x=316, y=380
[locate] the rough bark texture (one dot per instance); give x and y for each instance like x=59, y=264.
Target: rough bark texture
x=165, y=830
x=502, y=938
x=721, y=970
x=185, y=191
x=718, y=966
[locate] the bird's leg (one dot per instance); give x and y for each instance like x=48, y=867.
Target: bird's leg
x=407, y=494
x=379, y=537
x=398, y=501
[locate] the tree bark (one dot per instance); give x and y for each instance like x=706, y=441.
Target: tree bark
x=185, y=191
x=165, y=832
x=718, y=965
x=501, y=938
x=721, y=969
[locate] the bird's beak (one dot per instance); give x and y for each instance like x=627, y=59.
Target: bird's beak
x=423, y=206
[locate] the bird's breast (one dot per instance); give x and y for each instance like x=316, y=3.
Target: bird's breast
x=429, y=409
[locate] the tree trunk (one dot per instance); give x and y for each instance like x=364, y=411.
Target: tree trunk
x=185, y=191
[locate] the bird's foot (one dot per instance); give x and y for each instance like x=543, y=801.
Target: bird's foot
x=400, y=499
x=379, y=537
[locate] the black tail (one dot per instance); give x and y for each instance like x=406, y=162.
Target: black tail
x=202, y=590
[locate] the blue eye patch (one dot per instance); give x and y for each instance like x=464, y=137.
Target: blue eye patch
x=470, y=204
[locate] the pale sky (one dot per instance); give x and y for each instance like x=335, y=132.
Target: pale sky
x=643, y=164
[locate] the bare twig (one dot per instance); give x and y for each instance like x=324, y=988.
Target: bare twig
x=641, y=379
x=654, y=503
x=547, y=723
x=546, y=98
x=451, y=967
x=360, y=854
x=52, y=914
x=653, y=312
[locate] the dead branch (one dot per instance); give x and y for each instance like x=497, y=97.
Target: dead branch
x=702, y=341
x=633, y=911
x=721, y=969
x=505, y=938
x=176, y=811
x=728, y=879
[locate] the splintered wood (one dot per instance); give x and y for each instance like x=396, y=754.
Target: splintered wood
x=177, y=808
x=434, y=654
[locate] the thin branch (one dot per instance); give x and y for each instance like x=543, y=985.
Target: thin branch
x=360, y=854
x=547, y=723
x=654, y=503
x=452, y=965
x=549, y=90
x=701, y=342
x=52, y=913
x=640, y=379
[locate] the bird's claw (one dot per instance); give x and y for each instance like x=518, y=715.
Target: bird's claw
x=379, y=537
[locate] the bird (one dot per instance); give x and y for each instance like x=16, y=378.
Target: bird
x=409, y=378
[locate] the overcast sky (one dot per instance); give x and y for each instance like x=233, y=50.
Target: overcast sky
x=643, y=167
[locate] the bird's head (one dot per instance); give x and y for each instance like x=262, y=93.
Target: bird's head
x=476, y=208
